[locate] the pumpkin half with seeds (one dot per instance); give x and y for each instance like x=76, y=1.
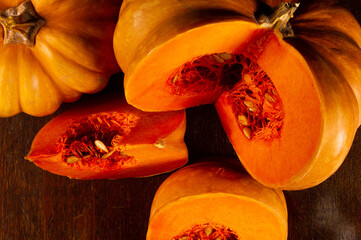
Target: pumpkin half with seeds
x=214, y=201
x=285, y=78
x=105, y=138
x=52, y=51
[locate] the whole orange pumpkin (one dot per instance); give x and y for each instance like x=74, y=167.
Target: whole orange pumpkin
x=285, y=77
x=52, y=51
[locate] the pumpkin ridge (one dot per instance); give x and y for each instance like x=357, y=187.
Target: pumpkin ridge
x=68, y=93
x=317, y=31
x=31, y=104
x=98, y=78
x=69, y=58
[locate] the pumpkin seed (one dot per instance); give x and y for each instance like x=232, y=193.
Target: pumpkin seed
x=208, y=231
x=159, y=144
x=174, y=79
x=242, y=119
x=72, y=159
x=225, y=55
x=217, y=58
x=249, y=104
x=184, y=238
x=252, y=109
x=247, y=78
x=86, y=156
x=108, y=154
x=274, y=92
x=269, y=98
x=247, y=132
x=101, y=145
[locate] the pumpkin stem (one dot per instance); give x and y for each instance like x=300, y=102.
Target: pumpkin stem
x=280, y=19
x=21, y=24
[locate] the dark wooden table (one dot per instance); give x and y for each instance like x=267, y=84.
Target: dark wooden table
x=35, y=204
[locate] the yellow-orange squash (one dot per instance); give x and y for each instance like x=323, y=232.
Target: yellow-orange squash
x=212, y=200
x=285, y=80
x=52, y=51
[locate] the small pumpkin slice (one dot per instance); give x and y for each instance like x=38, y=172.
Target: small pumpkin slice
x=212, y=200
x=107, y=138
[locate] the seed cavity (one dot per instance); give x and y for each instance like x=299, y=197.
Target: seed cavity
x=101, y=145
x=243, y=81
x=98, y=140
x=208, y=231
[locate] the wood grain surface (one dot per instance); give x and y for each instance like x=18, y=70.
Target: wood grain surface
x=35, y=204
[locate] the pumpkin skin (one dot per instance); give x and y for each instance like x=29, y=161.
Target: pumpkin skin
x=215, y=193
x=71, y=54
x=315, y=69
x=138, y=144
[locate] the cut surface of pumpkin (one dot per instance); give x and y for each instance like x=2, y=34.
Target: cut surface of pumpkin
x=110, y=139
x=284, y=84
x=213, y=200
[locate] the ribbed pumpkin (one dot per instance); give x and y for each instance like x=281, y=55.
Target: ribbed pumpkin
x=52, y=51
x=286, y=80
x=213, y=200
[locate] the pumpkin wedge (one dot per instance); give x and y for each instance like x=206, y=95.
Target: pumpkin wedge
x=212, y=200
x=53, y=51
x=284, y=78
x=107, y=138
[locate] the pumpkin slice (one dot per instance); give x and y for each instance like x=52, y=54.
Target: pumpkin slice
x=212, y=200
x=107, y=138
x=285, y=79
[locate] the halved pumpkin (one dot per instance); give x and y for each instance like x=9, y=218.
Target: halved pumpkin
x=107, y=138
x=213, y=200
x=288, y=91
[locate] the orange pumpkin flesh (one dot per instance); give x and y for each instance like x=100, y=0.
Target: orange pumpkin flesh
x=70, y=54
x=135, y=143
x=215, y=195
x=303, y=86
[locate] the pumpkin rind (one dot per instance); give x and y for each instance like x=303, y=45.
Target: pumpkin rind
x=217, y=193
x=72, y=55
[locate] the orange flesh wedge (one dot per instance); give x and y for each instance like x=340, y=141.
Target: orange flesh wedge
x=275, y=162
x=143, y=144
x=214, y=193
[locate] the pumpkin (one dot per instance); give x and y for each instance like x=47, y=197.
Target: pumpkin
x=106, y=138
x=52, y=51
x=284, y=78
x=214, y=200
